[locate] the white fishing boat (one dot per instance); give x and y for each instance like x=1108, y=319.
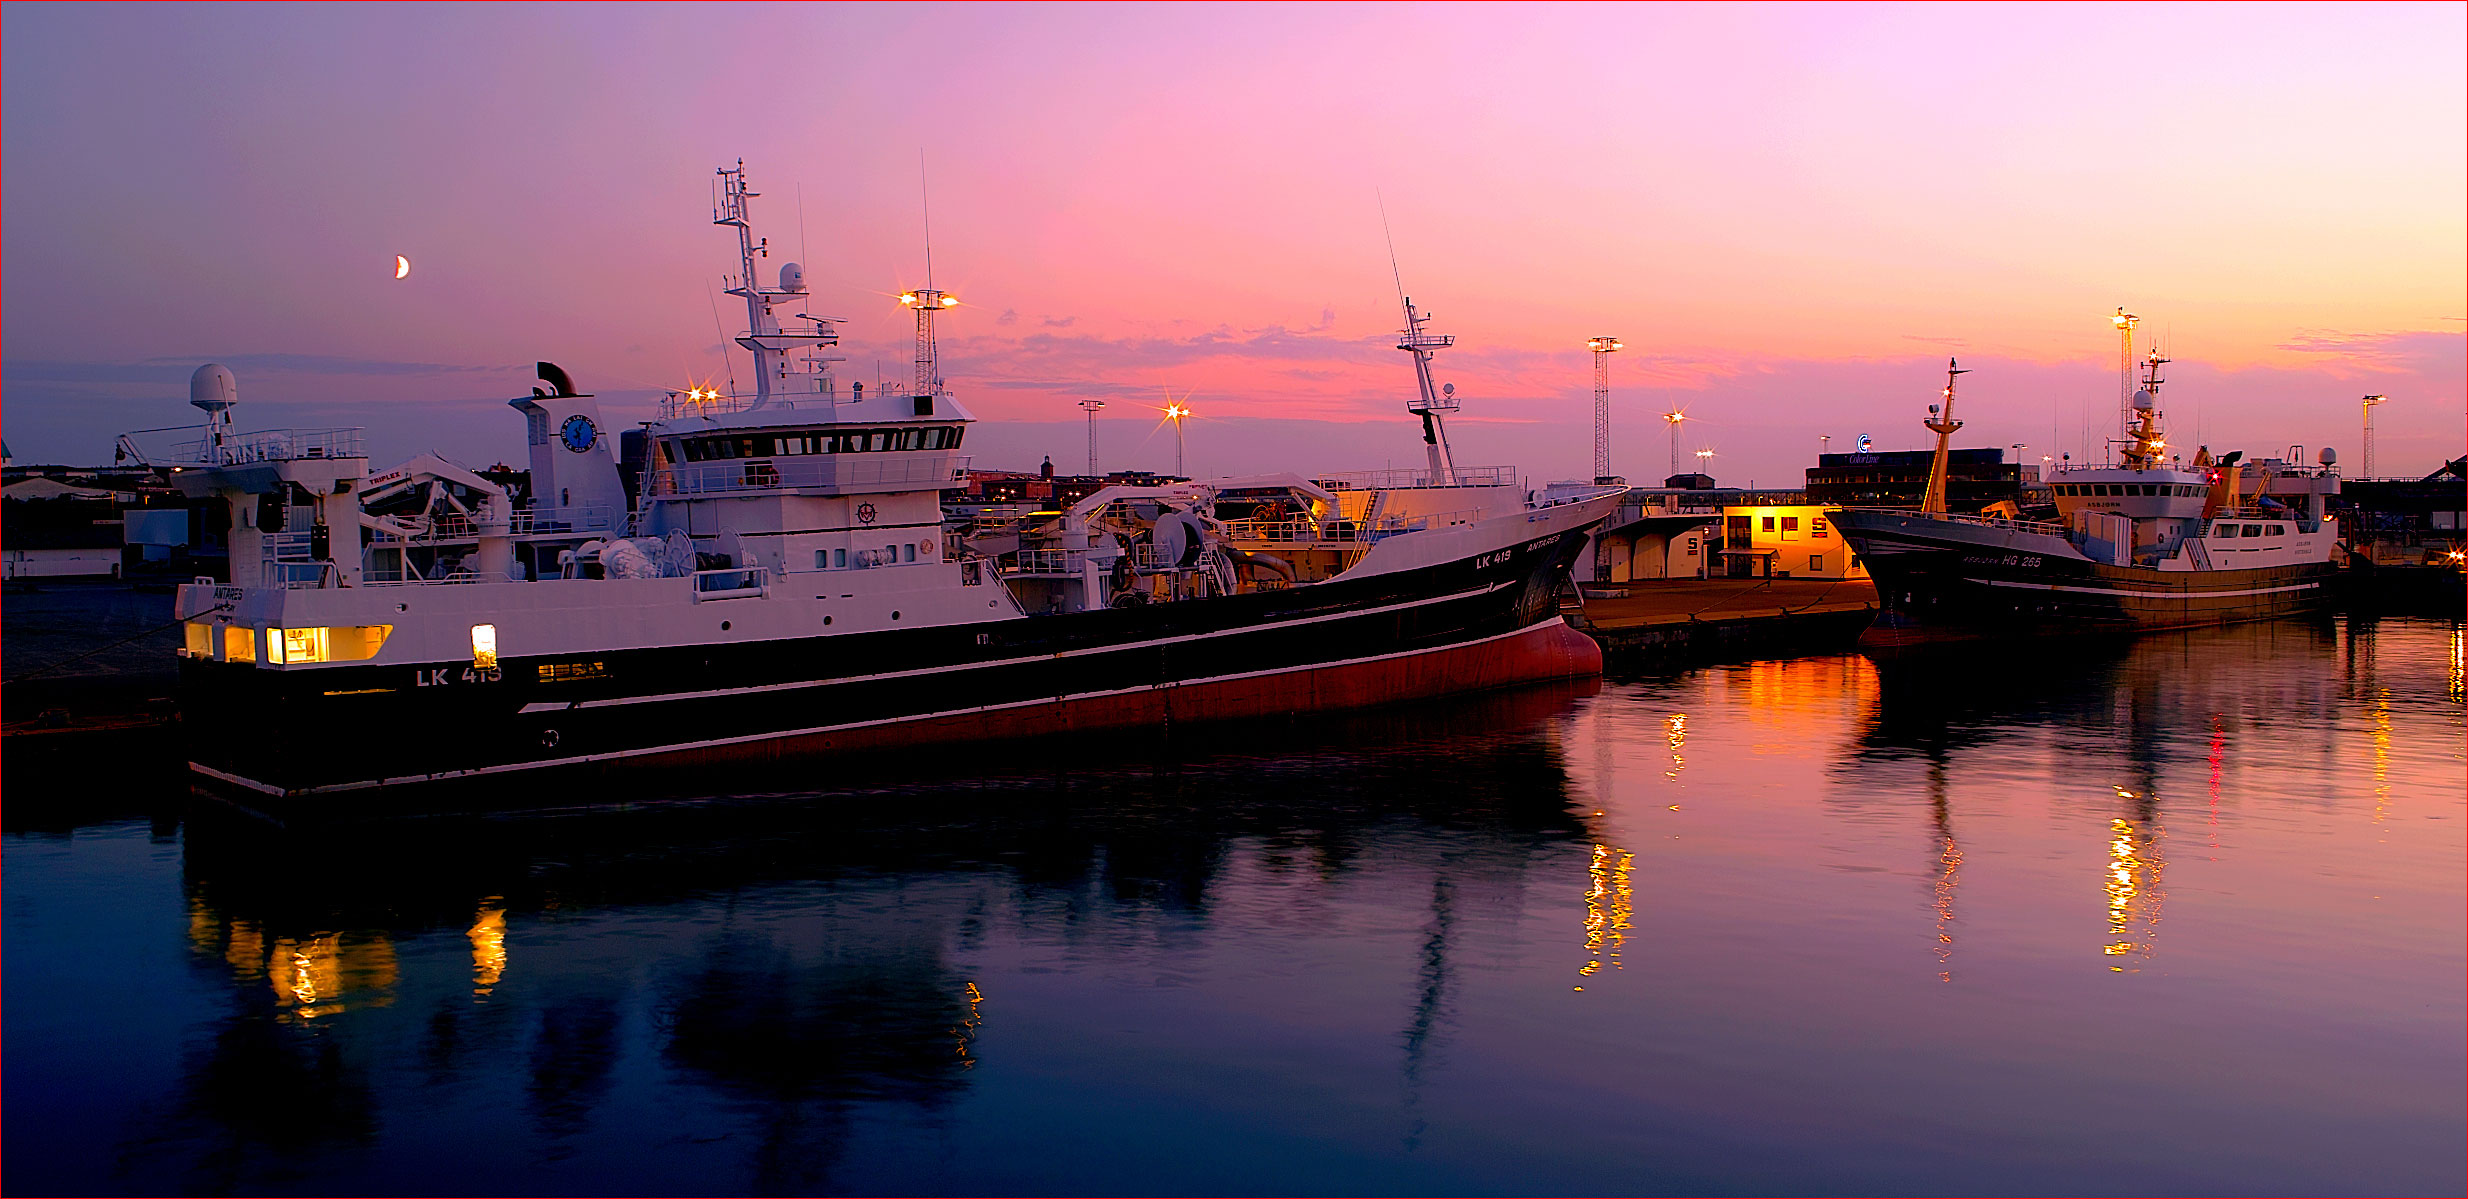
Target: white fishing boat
x=782, y=585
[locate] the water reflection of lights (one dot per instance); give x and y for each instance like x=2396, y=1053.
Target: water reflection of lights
x=2382, y=752
x=2459, y=662
x=966, y=1033
x=2219, y=755
x=1675, y=733
x=311, y=975
x=2133, y=886
x=1609, y=903
x=1949, y=876
x=488, y=946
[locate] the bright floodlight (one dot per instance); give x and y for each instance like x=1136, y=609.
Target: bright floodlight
x=1603, y=345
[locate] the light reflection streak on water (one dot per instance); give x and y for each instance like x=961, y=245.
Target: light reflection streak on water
x=1609, y=902
x=2382, y=752
x=1949, y=877
x=2219, y=753
x=1676, y=735
x=488, y=946
x=2459, y=662
x=967, y=1031
x=2133, y=886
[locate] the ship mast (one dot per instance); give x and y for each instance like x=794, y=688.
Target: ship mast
x=1435, y=403
x=1943, y=426
x=770, y=343
x=2143, y=438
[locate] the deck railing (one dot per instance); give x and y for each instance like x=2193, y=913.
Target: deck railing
x=1389, y=480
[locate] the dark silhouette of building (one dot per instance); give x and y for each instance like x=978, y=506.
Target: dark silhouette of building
x=1899, y=478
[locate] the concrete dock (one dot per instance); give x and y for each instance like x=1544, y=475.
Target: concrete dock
x=1676, y=619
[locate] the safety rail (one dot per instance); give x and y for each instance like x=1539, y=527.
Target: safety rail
x=1148, y=556
x=274, y=445
x=1304, y=531
x=1047, y=562
x=577, y=518
x=1394, y=526
x=732, y=582
x=1400, y=479
x=2017, y=524
x=929, y=468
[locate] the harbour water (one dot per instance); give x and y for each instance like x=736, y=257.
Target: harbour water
x=2177, y=914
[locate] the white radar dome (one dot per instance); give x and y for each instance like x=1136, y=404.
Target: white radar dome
x=792, y=277
x=2329, y=456
x=2142, y=401
x=213, y=389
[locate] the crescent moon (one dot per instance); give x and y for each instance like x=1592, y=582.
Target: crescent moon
x=402, y=266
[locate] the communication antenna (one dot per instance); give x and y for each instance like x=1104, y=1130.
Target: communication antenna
x=1603, y=348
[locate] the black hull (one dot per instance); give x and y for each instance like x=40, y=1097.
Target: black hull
x=1491, y=619
x=1931, y=590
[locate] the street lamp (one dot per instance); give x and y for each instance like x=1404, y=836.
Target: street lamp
x=1176, y=413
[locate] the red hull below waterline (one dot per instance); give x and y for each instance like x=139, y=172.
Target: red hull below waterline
x=1547, y=652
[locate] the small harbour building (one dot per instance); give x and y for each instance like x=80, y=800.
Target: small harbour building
x=1674, y=531
x=1786, y=541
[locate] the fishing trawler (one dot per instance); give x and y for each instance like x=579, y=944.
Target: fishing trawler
x=782, y=586
x=2150, y=542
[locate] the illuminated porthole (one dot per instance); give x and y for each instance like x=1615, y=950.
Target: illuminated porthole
x=484, y=646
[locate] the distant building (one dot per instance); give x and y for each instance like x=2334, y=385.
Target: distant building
x=1974, y=479
x=2394, y=522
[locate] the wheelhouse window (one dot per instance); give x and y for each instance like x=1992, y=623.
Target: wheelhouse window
x=834, y=441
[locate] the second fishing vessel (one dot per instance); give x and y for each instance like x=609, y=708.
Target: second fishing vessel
x=2149, y=542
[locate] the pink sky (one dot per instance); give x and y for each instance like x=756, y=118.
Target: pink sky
x=1791, y=215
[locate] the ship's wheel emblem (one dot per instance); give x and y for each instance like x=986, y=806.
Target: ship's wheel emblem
x=579, y=433
x=865, y=514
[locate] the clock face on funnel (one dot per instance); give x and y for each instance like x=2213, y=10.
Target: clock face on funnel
x=579, y=433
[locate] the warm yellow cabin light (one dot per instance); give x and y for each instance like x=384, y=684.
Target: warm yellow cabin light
x=199, y=639
x=484, y=646
x=239, y=644
x=274, y=646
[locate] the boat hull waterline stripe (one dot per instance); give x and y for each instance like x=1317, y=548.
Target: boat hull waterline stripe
x=580, y=759
x=532, y=709
x=2147, y=593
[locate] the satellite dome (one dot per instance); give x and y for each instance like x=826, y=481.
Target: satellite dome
x=213, y=389
x=792, y=277
x=2142, y=401
x=2329, y=456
